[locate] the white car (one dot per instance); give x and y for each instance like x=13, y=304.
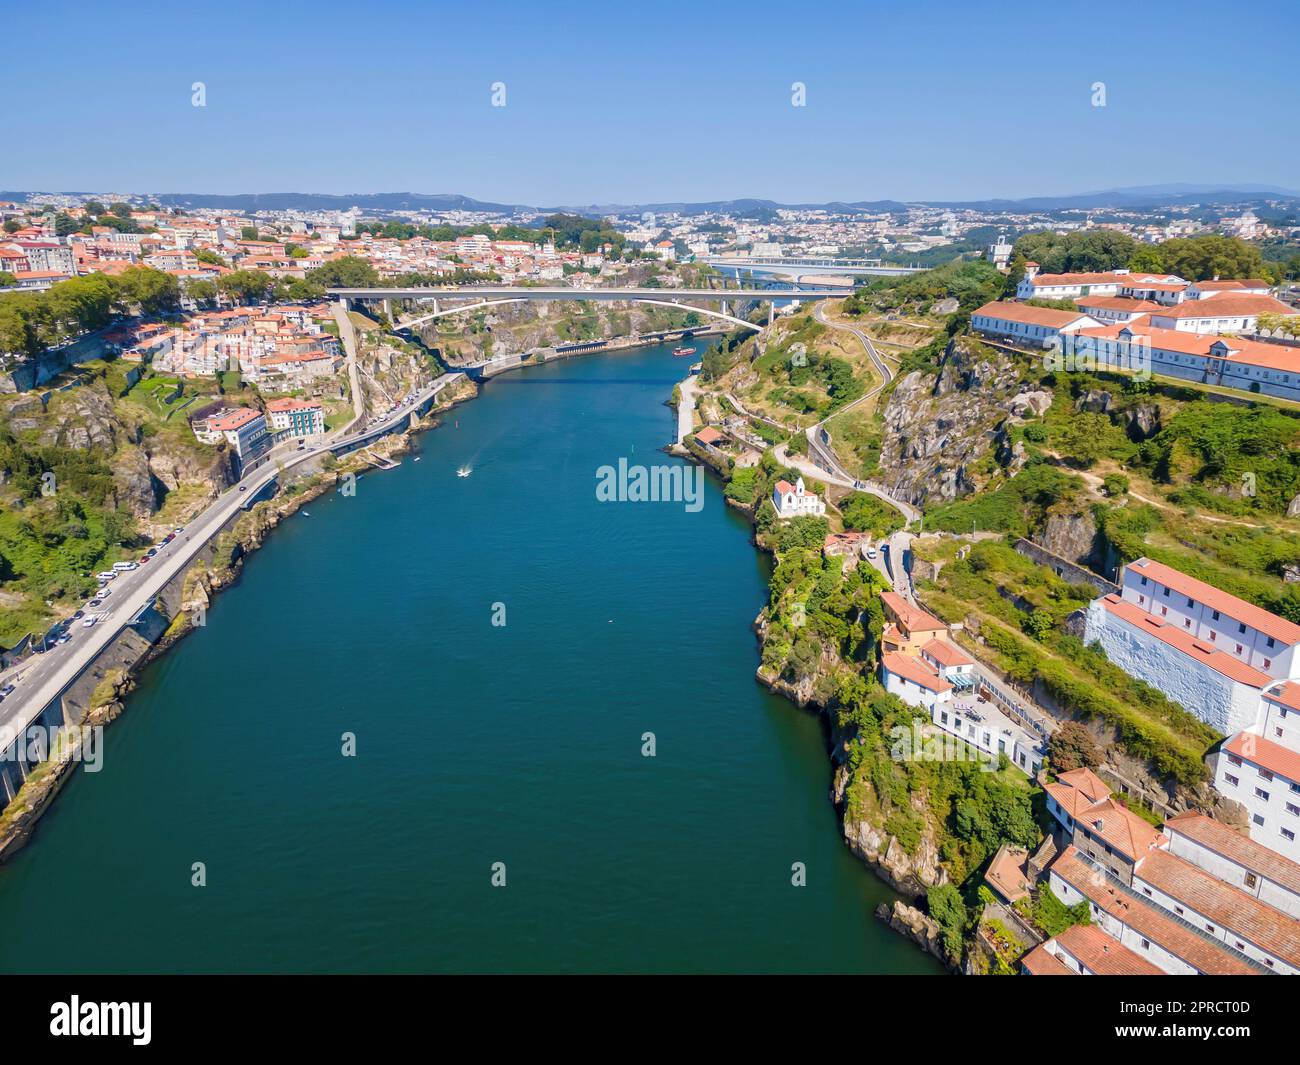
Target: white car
x=107, y=575
x=871, y=552
x=88, y=621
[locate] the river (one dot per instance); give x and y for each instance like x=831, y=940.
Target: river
x=475, y=743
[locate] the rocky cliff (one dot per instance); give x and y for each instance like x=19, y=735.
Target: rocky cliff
x=945, y=432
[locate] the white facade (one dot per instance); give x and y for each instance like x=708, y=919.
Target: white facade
x=1231, y=625
x=1218, y=699
x=793, y=500
x=1250, y=771
x=1266, y=875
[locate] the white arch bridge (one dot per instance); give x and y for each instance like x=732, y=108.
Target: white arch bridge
x=481, y=296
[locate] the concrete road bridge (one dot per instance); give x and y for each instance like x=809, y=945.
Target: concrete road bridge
x=796, y=267
x=478, y=297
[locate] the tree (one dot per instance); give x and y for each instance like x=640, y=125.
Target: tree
x=248, y=233
x=246, y=286
x=1072, y=747
x=17, y=330
x=347, y=272
x=122, y=210
x=949, y=912
x=7, y=280
x=1148, y=259
x=1211, y=255
x=94, y=208
x=154, y=291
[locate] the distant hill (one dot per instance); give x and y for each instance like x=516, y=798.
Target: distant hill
x=1138, y=196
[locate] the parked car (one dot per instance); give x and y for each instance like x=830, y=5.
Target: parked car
x=107, y=575
x=65, y=637
x=95, y=602
x=145, y=558
x=89, y=621
x=77, y=614
x=871, y=552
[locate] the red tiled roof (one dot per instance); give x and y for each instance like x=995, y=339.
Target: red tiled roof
x=1238, y=609
x=234, y=419
x=1264, y=752
x=1180, y=640
x=1287, y=695
x=1042, y=962
x=1227, y=306
x=946, y=654
x=1219, y=838
x=910, y=617
x=911, y=668
x=1113, y=823
x=1222, y=904
x=1103, y=955
x=1205, y=955
x=1027, y=315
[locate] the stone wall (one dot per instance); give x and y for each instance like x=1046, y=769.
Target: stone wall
x=1064, y=568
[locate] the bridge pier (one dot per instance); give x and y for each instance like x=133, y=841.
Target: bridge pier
x=771, y=311
x=388, y=309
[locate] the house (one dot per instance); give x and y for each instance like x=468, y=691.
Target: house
x=907, y=627
x=1005, y=875
x=1072, y=793
x=1256, y=869
x=915, y=682
x=1254, y=286
x=1115, y=309
x=1264, y=776
x=1224, y=313
x=1037, y=326
x=1206, y=649
x=1035, y=285
x=1222, y=361
x=1138, y=923
x=242, y=428
x=1085, y=950
x=794, y=501
x=296, y=417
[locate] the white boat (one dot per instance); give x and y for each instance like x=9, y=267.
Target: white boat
x=464, y=471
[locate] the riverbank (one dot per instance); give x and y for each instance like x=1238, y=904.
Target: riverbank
x=864, y=828
x=523, y=744
x=201, y=583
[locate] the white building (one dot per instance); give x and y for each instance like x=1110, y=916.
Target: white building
x=793, y=500
x=1035, y=326
x=1222, y=361
x=1069, y=286
x=1255, y=868
x=1227, y=312
x=1209, y=651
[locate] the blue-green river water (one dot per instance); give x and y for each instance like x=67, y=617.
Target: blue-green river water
x=475, y=744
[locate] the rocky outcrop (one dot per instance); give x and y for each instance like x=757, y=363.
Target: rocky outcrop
x=1142, y=422
x=1072, y=536
x=83, y=419
x=912, y=924
x=938, y=428
x=134, y=487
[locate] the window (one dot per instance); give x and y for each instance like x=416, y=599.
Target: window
x=1251, y=880
x=1260, y=793
x=1238, y=648
x=1293, y=809
x=1146, y=944
x=1267, y=663
x=1187, y=623
x=1234, y=781
x=1241, y=626
x=1164, y=611
x=1165, y=592
x=1147, y=892
x=1178, y=910
x=1266, y=774
x=1144, y=582
x=1214, y=614
x=1272, y=643
x=1240, y=944
x=1234, y=760
x=1288, y=835
x=1209, y=927
x=1259, y=820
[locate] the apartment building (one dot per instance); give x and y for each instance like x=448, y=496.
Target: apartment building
x=1033, y=326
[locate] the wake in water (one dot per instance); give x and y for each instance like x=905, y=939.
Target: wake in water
x=465, y=470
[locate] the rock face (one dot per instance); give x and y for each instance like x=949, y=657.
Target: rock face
x=134, y=487
x=83, y=419
x=912, y=924
x=938, y=428
x=1072, y=536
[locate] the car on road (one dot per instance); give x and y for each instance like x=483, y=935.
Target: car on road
x=8, y=689
x=243, y=488
x=871, y=552
x=106, y=575
x=77, y=614
x=95, y=602
x=65, y=637
x=169, y=538
x=123, y=567
x=104, y=593
x=89, y=621
x=145, y=558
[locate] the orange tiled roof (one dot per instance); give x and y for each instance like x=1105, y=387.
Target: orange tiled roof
x=1256, y=617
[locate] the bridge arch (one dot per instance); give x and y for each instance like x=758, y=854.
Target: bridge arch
x=444, y=312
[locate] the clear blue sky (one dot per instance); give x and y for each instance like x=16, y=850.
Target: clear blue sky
x=613, y=102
